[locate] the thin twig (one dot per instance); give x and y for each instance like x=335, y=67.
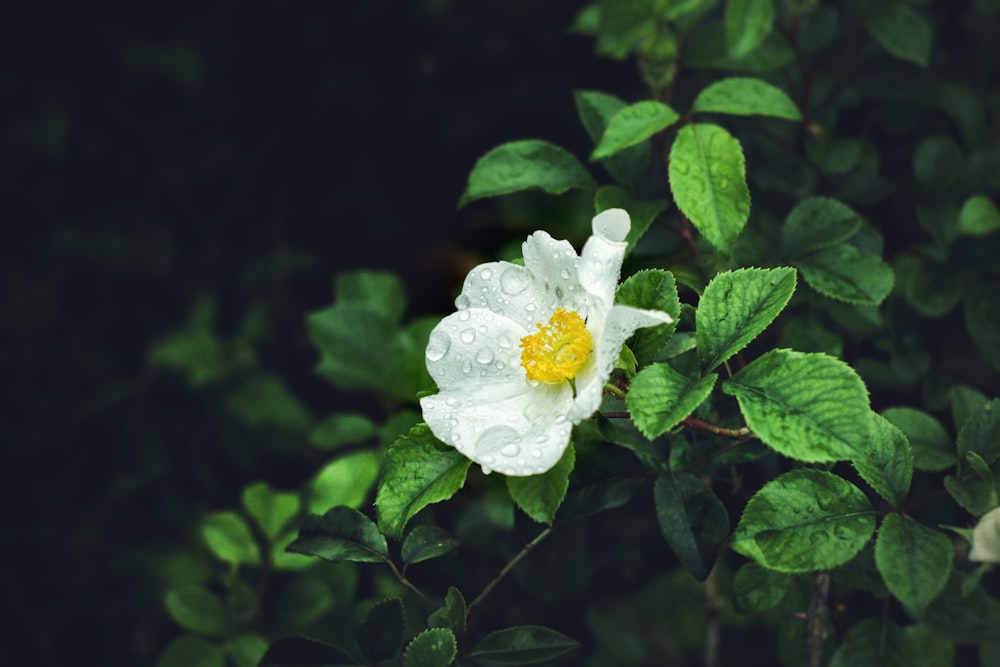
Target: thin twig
x=815, y=618
x=734, y=433
x=406, y=582
x=712, y=633
x=507, y=568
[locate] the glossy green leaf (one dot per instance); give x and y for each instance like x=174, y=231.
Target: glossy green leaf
x=804, y=520
x=748, y=22
x=746, y=96
x=642, y=211
x=875, y=642
x=937, y=163
x=981, y=309
x=887, y=463
x=228, y=536
x=539, y=496
x=418, y=470
x=342, y=429
x=981, y=433
x=914, y=561
x=380, y=635
x=346, y=480
x=692, y=520
x=379, y=291
x=633, y=124
x=807, y=406
x=426, y=542
x=844, y=273
x=435, y=647
x=191, y=651
x=523, y=645
x=652, y=289
x=525, y=165
x=757, y=589
x=452, y=615
x=816, y=223
x=630, y=166
x=964, y=402
x=932, y=447
x=246, y=650
x=708, y=182
x=659, y=398
x=736, y=307
x=978, y=217
x=973, y=493
x=622, y=24
x=342, y=534
x=272, y=510
x=597, y=497
x=900, y=29
x=197, y=609
x=707, y=47
x=302, y=652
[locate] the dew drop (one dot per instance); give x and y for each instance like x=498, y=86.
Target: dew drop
x=461, y=302
x=485, y=274
x=503, y=340
x=510, y=450
x=437, y=345
x=484, y=356
x=537, y=453
x=482, y=328
x=565, y=274
x=543, y=437
x=452, y=402
x=463, y=315
x=486, y=469
x=499, y=365
x=467, y=335
x=466, y=366
x=530, y=307
x=496, y=439
x=514, y=280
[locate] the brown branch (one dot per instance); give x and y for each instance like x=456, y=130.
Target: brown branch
x=815, y=617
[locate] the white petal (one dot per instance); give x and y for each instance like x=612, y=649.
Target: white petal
x=986, y=538
x=601, y=260
x=553, y=267
x=516, y=433
x=475, y=347
x=612, y=224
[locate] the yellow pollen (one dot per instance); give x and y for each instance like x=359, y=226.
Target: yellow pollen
x=558, y=350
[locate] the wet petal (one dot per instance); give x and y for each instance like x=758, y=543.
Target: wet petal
x=601, y=260
x=475, y=347
x=553, y=267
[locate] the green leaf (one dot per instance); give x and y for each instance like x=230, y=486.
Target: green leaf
x=418, y=470
x=302, y=652
x=937, y=163
x=844, y=273
x=902, y=31
x=807, y=406
x=706, y=47
x=272, y=510
x=887, y=463
x=305, y=599
x=346, y=480
x=978, y=217
x=659, y=398
x=746, y=96
x=980, y=467
x=804, y=520
x=246, y=650
x=426, y=542
x=964, y=617
x=748, y=23
x=976, y=495
x=228, y=536
x=708, y=181
x=816, y=223
x=633, y=124
x=191, y=651
x=596, y=109
x=931, y=289
x=736, y=307
x=692, y=520
x=452, y=615
x=981, y=309
x=964, y=402
x=932, y=447
x=932, y=648
x=757, y=589
x=652, y=289
x=196, y=351
x=981, y=433
x=642, y=211
x=914, y=561
x=597, y=497
x=539, y=496
x=874, y=642
x=197, y=609
x=435, y=647
x=344, y=429
x=523, y=645
x=622, y=24
x=341, y=534
x=375, y=290
x=525, y=165
x=380, y=635
x=264, y=401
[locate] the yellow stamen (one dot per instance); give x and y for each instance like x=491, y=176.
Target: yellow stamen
x=558, y=350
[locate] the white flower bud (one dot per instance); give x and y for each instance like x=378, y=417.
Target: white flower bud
x=986, y=538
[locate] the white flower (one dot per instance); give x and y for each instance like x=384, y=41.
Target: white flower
x=530, y=349
x=986, y=538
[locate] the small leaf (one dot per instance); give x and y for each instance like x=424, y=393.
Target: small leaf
x=600, y=496
x=931, y=289
x=302, y=652
x=228, y=536
x=816, y=223
x=805, y=520
x=633, y=124
x=271, y=509
x=974, y=494
x=874, y=642
x=418, y=470
x=807, y=406
x=964, y=402
x=757, y=589
x=981, y=433
x=435, y=647
x=736, y=307
x=887, y=463
x=652, y=289
x=748, y=22
x=343, y=429
x=902, y=31
x=628, y=167
x=844, y=273
x=197, y=609
x=341, y=534
x=978, y=217
x=746, y=96
x=380, y=635
x=708, y=182
x=191, y=651
x=426, y=542
x=523, y=645
x=376, y=290
x=932, y=447
x=452, y=615
x=525, y=165
x=981, y=310
x=692, y=520
x=914, y=561
x=246, y=650
x=346, y=480
x=539, y=496
x=659, y=398
x=980, y=467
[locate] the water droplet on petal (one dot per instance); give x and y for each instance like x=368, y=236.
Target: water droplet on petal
x=537, y=453
x=485, y=274
x=484, y=356
x=461, y=302
x=565, y=274
x=437, y=345
x=486, y=469
x=452, y=402
x=496, y=439
x=530, y=307
x=466, y=366
x=463, y=315
x=482, y=328
x=510, y=450
x=467, y=335
x=514, y=280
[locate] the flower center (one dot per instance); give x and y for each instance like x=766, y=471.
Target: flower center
x=558, y=350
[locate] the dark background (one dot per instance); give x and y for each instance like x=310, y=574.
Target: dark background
x=149, y=157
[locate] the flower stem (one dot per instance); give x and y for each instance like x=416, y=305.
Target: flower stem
x=614, y=391
x=734, y=433
x=507, y=568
